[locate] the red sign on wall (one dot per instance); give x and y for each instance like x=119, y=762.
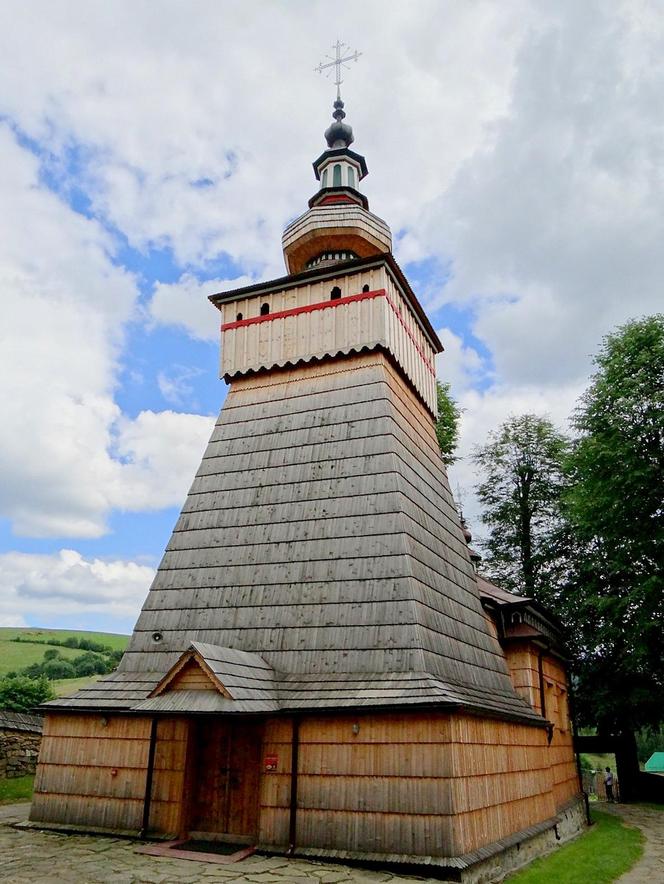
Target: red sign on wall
x=271, y=762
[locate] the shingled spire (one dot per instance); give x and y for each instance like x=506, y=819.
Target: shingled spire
x=320, y=532
x=313, y=669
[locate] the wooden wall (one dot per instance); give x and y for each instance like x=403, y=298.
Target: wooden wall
x=325, y=327
x=563, y=761
x=92, y=773
x=423, y=784
x=502, y=780
x=167, y=811
x=412, y=783
x=523, y=662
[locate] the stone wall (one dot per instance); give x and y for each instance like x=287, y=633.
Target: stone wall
x=18, y=753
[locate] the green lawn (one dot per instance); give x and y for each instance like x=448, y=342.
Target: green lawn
x=17, y=655
x=601, y=855
x=16, y=789
x=112, y=639
x=65, y=686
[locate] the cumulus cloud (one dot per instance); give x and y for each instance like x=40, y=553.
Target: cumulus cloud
x=185, y=304
x=68, y=455
x=159, y=452
x=518, y=144
x=66, y=583
x=460, y=365
x=554, y=227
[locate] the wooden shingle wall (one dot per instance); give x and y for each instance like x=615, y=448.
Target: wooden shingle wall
x=320, y=532
x=381, y=318
x=92, y=771
x=428, y=784
x=382, y=788
x=166, y=808
x=522, y=660
x=502, y=780
x=563, y=765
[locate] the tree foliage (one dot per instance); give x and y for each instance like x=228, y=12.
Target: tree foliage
x=522, y=465
x=615, y=506
x=447, y=424
x=19, y=693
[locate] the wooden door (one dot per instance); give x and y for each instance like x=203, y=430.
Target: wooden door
x=225, y=777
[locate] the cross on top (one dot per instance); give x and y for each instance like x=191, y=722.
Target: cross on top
x=337, y=62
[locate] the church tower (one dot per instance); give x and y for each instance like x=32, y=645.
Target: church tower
x=314, y=670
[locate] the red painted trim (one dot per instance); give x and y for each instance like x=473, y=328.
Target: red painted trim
x=307, y=308
x=337, y=199
x=395, y=309
x=323, y=305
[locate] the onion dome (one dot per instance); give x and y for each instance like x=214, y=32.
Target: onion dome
x=338, y=226
x=339, y=134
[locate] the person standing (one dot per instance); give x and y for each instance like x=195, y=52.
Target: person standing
x=608, y=785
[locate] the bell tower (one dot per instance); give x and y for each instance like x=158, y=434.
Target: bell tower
x=344, y=292
x=338, y=225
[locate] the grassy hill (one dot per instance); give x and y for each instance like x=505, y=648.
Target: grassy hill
x=16, y=655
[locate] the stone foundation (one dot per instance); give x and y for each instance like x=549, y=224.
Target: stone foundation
x=19, y=751
x=571, y=821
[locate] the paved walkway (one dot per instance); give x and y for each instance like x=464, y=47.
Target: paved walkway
x=650, y=869
x=30, y=855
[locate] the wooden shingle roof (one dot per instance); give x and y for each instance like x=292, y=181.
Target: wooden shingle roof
x=320, y=536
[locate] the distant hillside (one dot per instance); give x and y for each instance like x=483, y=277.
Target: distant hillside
x=15, y=655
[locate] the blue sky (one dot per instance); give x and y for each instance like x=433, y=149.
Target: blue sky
x=153, y=153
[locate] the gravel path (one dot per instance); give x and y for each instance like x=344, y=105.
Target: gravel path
x=650, y=869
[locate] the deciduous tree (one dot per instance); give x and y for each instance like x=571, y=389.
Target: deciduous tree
x=522, y=467
x=615, y=504
x=447, y=425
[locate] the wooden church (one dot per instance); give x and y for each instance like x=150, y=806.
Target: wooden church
x=317, y=668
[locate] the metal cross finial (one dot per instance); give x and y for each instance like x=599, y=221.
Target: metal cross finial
x=337, y=62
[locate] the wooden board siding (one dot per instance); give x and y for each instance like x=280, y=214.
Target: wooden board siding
x=168, y=781
x=311, y=573
x=522, y=660
x=92, y=771
x=434, y=784
x=192, y=678
x=313, y=326
x=502, y=780
x=562, y=759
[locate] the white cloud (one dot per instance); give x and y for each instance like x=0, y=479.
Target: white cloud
x=519, y=142
x=185, y=304
x=460, y=364
x=67, y=454
x=160, y=453
x=66, y=583
x=555, y=226
x=203, y=142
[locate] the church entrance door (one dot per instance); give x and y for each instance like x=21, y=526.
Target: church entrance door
x=225, y=779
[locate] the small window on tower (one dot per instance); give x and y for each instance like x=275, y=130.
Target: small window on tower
x=365, y=288
x=238, y=318
x=265, y=309
x=336, y=176
x=351, y=176
x=335, y=293
x=323, y=182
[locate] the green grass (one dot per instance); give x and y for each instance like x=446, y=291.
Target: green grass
x=112, y=639
x=599, y=762
x=650, y=805
x=601, y=855
x=17, y=655
x=16, y=789
x=64, y=686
